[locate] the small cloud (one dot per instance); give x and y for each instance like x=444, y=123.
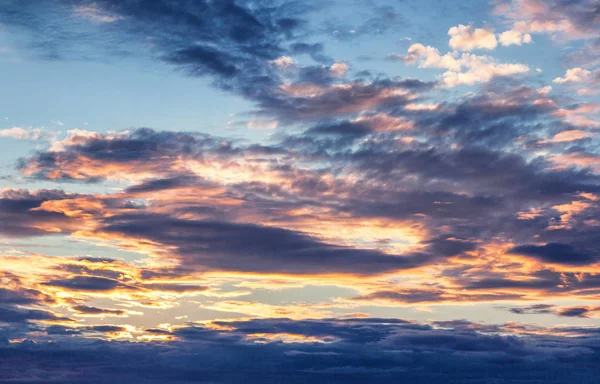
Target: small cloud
x=262, y=124
x=19, y=133
x=338, y=69
x=514, y=37
x=466, y=38
x=283, y=62
x=545, y=90
x=573, y=75
x=568, y=136
x=95, y=14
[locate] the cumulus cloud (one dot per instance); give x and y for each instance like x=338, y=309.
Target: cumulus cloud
x=514, y=37
x=338, y=69
x=467, y=38
x=573, y=75
x=466, y=68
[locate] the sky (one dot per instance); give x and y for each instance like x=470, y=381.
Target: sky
x=292, y=191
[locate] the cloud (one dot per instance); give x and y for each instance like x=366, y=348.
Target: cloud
x=18, y=315
x=307, y=102
x=570, y=135
x=93, y=13
x=284, y=62
x=386, y=350
x=396, y=194
x=573, y=75
x=589, y=81
x=566, y=19
x=556, y=253
x=19, y=295
x=314, y=50
x=577, y=311
x=466, y=68
x=95, y=311
x=245, y=49
x=366, y=174
x=363, y=125
x=467, y=38
x=514, y=37
x=338, y=69
x=18, y=133
x=377, y=20
x=84, y=156
x=588, y=56
x=231, y=42
x=85, y=283
x=22, y=213
x=576, y=159
x=252, y=248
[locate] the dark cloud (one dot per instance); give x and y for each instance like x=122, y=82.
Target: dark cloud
x=576, y=311
x=433, y=294
x=295, y=103
x=343, y=128
x=60, y=330
x=498, y=115
x=143, y=149
x=533, y=309
x=229, y=40
x=544, y=281
x=450, y=246
x=462, y=173
x=253, y=248
x=172, y=287
x=87, y=310
x=555, y=253
x=21, y=315
x=472, y=192
x=86, y=283
x=580, y=311
x=153, y=185
x=232, y=42
x=23, y=296
x=349, y=331
x=77, y=269
x=22, y=214
x=584, y=14
x=358, y=350
x=315, y=51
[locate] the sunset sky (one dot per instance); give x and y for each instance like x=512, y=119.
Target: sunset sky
x=292, y=191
